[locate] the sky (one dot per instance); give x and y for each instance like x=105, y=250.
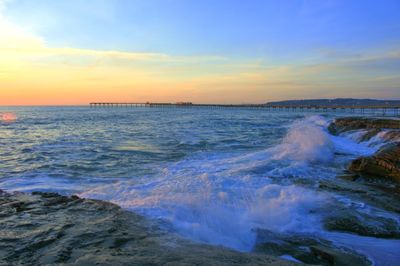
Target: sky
x=72, y=52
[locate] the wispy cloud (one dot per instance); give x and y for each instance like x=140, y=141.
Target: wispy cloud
x=31, y=71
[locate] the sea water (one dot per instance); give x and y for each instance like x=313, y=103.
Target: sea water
x=215, y=176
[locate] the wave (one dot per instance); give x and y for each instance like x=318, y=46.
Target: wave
x=306, y=141
x=222, y=198
x=222, y=216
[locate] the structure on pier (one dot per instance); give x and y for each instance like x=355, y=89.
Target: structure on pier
x=378, y=110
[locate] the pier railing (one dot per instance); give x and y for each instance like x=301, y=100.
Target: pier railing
x=379, y=110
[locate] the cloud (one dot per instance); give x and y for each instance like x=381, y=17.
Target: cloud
x=3, y=4
x=33, y=72
x=18, y=40
x=13, y=36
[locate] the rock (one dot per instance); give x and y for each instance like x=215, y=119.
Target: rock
x=385, y=135
x=363, y=224
x=369, y=134
x=349, y=176
x=49, y=229
x=344, y=124
x=46, y=194
x=384, y=164
x=373, y=193
x=391, y=135
x=323, y=254
x=308, y=249
x=337, y=257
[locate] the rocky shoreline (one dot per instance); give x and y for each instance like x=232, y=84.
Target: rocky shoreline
x=373, y=179
x=50, y=229
x=385, y=163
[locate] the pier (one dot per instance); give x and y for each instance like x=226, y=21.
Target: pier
x=377, y=110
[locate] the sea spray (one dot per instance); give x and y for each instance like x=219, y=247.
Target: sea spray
x=227, y=218
x=220, y=200
x=215, y=176
x=224, y=199
x=306, y=141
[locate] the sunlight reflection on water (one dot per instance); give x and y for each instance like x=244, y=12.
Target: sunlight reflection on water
x=8, y=117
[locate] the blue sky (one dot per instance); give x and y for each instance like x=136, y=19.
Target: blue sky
x=249, y=28
x=336, y=35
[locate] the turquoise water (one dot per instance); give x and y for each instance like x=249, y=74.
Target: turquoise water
x=213, y=175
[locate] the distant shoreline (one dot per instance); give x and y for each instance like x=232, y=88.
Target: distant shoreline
x=339, y=102
x=304, y=102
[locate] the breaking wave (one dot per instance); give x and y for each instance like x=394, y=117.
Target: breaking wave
x=222, y=199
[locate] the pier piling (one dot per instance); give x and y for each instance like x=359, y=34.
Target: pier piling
x=378, y=110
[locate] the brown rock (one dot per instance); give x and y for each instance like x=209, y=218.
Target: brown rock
x=369, y=134
x=392, y=135
x=385, y=163
x=344, y=124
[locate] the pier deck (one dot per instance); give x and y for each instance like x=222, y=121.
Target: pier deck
x=379, y=110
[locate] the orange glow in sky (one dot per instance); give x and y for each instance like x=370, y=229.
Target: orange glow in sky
x=281, y=59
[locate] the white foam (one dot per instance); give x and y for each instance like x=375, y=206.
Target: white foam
x=380, y=139
x=221, y=199
x=207, y=214
x=306, y=141
x=290, y=258
x=350, y=146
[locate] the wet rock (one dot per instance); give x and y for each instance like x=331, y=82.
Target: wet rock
x=375, y=194
x=46, y=194
x=363, y=224
x=384, y=135
x=344, y=124
x=384, y=164
x=337, y=257
x=323, y=255
x=349, y=176
x=72, y=231
x=369, y=134
x=391, y=135
x=307, y=249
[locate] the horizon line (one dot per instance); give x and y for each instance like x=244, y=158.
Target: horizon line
x=125, y=102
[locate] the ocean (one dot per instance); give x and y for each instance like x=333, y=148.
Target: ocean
x=212, y=176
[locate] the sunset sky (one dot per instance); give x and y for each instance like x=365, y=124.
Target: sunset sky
x=214, y=51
